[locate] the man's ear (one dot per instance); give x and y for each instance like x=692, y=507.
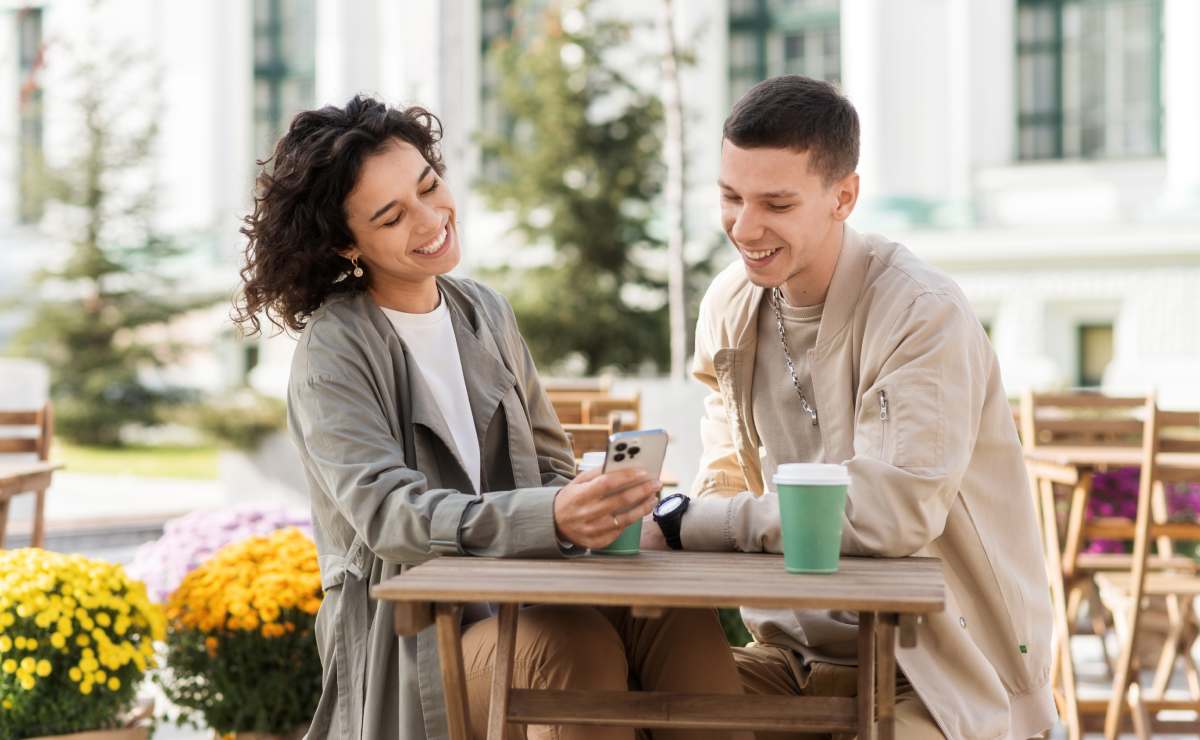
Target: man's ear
x=846, y=191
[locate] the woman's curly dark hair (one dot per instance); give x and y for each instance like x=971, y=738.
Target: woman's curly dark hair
x=298, y=225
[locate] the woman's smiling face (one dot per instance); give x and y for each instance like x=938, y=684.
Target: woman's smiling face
x=402, y=216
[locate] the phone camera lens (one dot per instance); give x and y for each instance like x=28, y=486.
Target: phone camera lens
x=621, y=446
x=619, y=456
x=634, y=450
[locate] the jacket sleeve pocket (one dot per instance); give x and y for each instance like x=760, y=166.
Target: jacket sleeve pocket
x=915, y=420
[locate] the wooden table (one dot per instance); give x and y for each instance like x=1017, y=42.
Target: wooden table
x=18, y=478
x=889, y=595
x=1076, y=467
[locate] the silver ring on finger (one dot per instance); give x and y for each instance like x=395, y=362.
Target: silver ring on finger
x=616, y=521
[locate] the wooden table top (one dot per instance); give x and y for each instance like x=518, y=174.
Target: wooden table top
x=10, y=470
x=676, y=579
x=17, y=477
x=1108, y=456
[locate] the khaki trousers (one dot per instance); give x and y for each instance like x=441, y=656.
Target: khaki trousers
x=604, y=649
x=768, y=669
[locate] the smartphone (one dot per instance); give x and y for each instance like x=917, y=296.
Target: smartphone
x=643, y=450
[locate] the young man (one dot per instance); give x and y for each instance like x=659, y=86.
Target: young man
x=825, y=345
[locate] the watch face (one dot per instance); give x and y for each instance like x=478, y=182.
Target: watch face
x=668, y=505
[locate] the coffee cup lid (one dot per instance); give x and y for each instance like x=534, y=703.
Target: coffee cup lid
x=812, y=474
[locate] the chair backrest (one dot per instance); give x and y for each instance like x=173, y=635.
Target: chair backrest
x=628, y=410
x=1082, y=419
x=1179, y=431
x=27, y=432
x=577, y=387
x=588, y=437
x=570, y=410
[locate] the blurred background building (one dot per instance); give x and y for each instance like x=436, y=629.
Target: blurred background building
x=1044, y=152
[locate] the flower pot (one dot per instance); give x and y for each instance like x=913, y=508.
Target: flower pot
x=126, y=733
x=295, y=734
x=137, y=726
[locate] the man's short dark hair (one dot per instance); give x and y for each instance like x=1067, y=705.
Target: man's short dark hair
x=801, y=114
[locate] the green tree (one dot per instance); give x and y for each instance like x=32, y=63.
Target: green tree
x=91, y=312
x=580, y=170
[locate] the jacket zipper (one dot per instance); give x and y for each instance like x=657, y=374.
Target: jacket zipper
x=883, y=418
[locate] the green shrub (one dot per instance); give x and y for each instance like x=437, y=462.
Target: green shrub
x=242, y=420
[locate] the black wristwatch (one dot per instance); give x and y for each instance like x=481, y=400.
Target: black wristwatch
x=669, y=515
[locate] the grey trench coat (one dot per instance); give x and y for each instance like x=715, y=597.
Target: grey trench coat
x=388, y=491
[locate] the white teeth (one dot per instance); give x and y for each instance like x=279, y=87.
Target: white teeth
x=435, y=245
x=760, y=255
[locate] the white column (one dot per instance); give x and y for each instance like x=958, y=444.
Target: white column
x=861, y=81
x=702, y=27
x=348, y=38
x=1181, y=102
x=981, y=111
x=896, y=72
x=9, y=118
x=458, y=97
x=231, y=120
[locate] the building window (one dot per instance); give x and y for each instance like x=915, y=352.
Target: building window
x=30, y=162
x=1095, y=352
x=284, y=79
x=1088, y=83
x=774, y=37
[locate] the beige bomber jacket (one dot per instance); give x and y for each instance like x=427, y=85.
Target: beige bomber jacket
x=909, y=397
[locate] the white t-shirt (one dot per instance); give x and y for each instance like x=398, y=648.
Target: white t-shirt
x=429, y=338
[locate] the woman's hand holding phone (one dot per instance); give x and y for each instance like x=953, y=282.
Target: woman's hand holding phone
x=596, y=507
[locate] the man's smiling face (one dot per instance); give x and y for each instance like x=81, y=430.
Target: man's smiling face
x=777, y=211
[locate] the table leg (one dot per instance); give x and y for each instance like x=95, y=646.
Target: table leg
x=39, y=519
x=454, y=678
x=3, y=519
x=866, y=675
x=502, y=672
x=886, y=657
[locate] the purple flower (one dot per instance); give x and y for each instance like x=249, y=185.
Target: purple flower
x=189, y=540
x=1115, y=493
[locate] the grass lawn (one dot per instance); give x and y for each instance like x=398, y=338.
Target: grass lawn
x=150, y=461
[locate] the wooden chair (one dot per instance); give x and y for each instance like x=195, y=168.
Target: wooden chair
x=1083, y=419
x=26, y=433
x=590, y=437
x=570, y=410
x=1125, y=592
x=576, y=387
x=1087, y=420
x=1080, y=418
x=628, y=409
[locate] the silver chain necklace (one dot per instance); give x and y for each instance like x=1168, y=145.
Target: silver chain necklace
x=808, y=409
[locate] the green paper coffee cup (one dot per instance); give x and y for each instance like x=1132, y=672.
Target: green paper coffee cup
x=812, y=500
x=629, y=542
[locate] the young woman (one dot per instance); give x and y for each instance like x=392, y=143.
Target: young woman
x=424, y=431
